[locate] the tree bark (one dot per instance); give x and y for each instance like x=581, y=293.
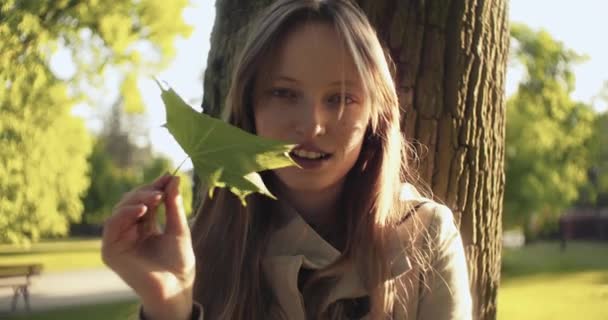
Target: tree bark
x=451, y=62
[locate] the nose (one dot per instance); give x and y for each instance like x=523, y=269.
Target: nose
x=312, y=121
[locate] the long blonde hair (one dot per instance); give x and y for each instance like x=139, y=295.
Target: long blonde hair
x=229, y=239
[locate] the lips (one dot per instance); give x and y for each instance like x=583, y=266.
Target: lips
x=309, y=156
x=309, y=151
x=310, y=147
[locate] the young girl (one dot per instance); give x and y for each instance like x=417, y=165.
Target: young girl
x=349, y=237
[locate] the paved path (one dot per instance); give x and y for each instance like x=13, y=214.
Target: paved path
x=61, y=289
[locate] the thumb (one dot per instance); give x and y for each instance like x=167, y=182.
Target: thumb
x=176, y=223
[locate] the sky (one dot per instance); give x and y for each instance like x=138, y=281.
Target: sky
x=580, y=25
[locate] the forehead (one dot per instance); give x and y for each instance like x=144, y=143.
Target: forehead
x=312, y=51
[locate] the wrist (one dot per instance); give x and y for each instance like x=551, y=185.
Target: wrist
x=175, y=308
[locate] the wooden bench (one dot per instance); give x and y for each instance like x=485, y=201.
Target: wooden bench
x=18, y=277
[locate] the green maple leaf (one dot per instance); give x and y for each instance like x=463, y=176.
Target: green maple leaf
x=223, y=155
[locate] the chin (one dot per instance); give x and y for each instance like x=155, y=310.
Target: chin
x=296, y=180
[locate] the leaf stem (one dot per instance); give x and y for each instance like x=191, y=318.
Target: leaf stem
x=180, y=165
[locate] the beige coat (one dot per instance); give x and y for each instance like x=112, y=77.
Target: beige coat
x=444, y=294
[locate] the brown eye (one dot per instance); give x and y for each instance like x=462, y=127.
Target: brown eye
x=283, y=93
x=339, y=99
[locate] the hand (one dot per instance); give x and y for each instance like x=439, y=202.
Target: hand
x=158, y=265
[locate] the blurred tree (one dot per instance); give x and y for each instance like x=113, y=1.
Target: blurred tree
x=546, y=157
x=602, y=96
x=596, y=190
x=43, y=147
x=109, y=181
x=599, y=158
x=126, y=140
x=594, y=193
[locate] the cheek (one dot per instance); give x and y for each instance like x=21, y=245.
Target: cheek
x=266, y=124
x=351, y=134
x=351, y=147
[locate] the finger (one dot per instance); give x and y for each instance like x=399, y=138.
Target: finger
x=148, y=224
x=120, y=221
x=159, y=183
x=176, y=223
x=130, y=236
x=150, y=198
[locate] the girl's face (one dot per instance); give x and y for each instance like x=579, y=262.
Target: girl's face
x=308, y=93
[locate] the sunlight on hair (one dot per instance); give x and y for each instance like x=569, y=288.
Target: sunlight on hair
x=409, y=192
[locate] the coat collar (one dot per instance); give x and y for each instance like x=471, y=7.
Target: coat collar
x=295, y=244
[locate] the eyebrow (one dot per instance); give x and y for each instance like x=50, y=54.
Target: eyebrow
x=335, y=83
x=286, y=78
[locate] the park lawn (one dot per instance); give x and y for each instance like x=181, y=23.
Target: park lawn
x=109, y=311
x=62, y=255
x=540, y=282
x=582, y=295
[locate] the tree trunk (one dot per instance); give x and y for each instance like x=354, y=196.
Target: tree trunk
x=451, y=61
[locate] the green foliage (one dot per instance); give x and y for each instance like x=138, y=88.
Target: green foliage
x=43, y=148
x=42, y=169
x=600, y=155
x=109, y=182
x=223, y=155
x=595, y=191
x=546, y=157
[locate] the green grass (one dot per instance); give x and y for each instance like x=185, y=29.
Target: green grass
x=108, y=311
x=540, y=282
x=64, y=255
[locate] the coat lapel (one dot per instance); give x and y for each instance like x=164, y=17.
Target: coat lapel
x=295, y=244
